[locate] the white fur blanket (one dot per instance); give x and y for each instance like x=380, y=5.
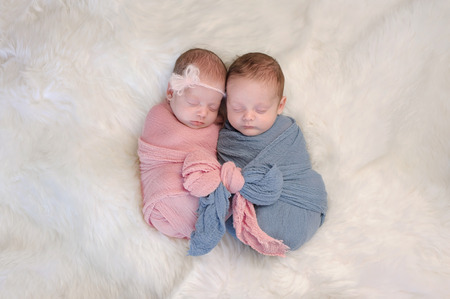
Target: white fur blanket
x=367, y=81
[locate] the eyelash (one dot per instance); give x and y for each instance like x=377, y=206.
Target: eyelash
x=195, y=104
x=257, y=111
x=192, y=103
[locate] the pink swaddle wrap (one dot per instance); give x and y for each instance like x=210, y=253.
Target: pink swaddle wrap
x=178, y=165
x=163, y=147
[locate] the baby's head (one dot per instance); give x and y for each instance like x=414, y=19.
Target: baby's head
x=196, y=87
x=255, y=84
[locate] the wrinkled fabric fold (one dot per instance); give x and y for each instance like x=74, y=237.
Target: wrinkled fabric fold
x=201, y=173
x=210, y=226
x=248, y=231
x=263, y=185
x=213, y=211
x=165, y=147
x=278, y=155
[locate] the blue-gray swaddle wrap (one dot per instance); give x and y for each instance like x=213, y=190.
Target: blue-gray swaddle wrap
x=287, y=193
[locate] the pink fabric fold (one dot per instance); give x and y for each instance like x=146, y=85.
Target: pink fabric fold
x=201, y=173
x=249, y=232
x=162, y=149
x=244, y=216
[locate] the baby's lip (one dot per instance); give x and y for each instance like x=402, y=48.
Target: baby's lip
x=196, y=123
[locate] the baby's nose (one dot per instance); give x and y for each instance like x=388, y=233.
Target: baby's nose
x=249, y=115
x=202, y=111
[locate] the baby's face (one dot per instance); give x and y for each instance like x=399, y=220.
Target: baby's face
x=252, y=105
x=196, y=107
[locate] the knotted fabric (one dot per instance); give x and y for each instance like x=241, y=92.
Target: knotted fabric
x=267, y=182
x=276, y=168
x=213, y=209
x=164, y=147
x=278, y=160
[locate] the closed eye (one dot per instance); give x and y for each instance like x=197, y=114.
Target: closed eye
x=213, y=108
x=192, y=102
x=237, y=109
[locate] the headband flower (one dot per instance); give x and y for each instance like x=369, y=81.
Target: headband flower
x=190, y=78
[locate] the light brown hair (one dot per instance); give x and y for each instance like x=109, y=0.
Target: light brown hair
x=210, y=65
x=258, y=66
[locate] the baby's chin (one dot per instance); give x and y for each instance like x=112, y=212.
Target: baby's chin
x=250, y=131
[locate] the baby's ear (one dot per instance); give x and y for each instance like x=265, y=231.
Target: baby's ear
x=281, y=105
x=169, y=91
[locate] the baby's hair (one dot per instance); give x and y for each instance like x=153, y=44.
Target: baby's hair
x=210, y=65
x=258, y=66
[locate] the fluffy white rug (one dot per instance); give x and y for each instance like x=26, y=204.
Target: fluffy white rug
x=368, y=82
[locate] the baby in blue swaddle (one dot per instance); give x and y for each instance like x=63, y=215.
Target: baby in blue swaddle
x=288, y=196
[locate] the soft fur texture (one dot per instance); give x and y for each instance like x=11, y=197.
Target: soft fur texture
x=367, y=81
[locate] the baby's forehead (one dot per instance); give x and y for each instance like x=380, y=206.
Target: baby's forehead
x=263, y=81
x=240, y=83
x=202, y=93
x=251, y=101
x=213, y=81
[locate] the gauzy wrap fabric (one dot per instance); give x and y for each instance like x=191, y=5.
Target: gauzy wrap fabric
x=164, y=147
x=212, y=214
x=289, y=197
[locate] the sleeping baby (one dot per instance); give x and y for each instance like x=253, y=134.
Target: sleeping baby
x=281, y=201
x=177, y=134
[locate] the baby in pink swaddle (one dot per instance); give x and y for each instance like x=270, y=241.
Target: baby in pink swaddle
x=185, y=125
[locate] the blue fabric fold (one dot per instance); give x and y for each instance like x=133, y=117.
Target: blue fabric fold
x=210, y=226
x=263, y=184
x=289, y=196
x=282, y=145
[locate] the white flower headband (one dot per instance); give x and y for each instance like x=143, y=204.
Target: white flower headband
x=190, y=78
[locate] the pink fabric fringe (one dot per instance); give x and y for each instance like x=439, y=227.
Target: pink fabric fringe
x=244, y=216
